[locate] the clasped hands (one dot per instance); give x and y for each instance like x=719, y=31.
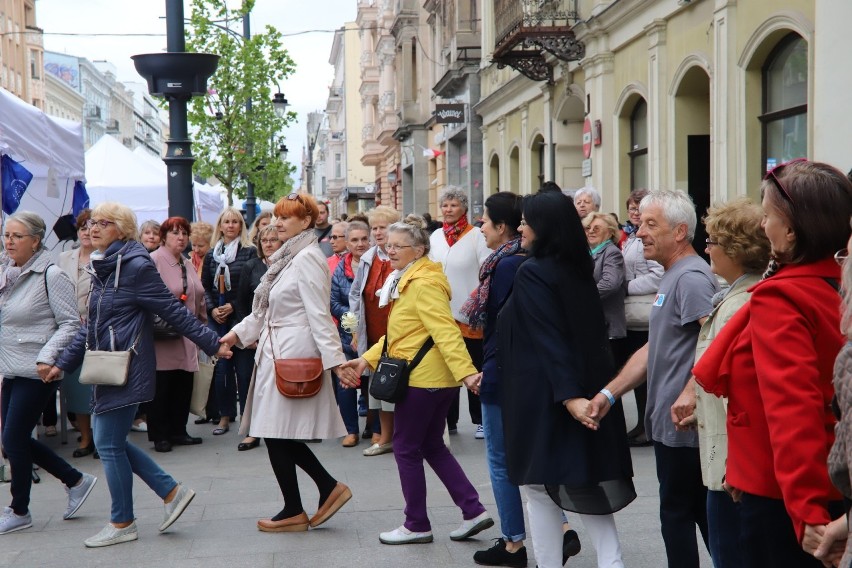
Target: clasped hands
x=221, y=314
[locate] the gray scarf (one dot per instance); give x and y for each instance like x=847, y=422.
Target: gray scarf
x=277, y=262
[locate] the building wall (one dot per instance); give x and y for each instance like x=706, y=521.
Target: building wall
x=61, y=100
x=21, y=52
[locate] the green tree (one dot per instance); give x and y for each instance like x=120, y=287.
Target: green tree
x=232, y=143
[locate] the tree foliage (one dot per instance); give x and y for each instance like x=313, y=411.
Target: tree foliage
x=233, y=143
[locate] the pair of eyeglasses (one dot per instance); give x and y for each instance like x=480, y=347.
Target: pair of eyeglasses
x=268, y=241
x=335, y=237
x=710, y=242
x=841, y=256
x=523, y=223
x=14, y=236
x=633, y=210
x=103, y=223
x=772, y=175
x=398, y=247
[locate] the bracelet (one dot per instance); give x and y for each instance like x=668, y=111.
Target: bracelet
x=608, y=396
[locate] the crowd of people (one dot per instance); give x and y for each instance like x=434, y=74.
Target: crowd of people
x=547, y=311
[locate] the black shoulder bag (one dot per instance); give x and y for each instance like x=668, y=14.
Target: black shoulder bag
x=390, y=379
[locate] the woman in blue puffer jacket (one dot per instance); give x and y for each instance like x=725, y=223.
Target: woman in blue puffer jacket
x=126, y=292
x=357, y=242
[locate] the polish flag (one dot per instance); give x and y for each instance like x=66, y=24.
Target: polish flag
x=431, y=153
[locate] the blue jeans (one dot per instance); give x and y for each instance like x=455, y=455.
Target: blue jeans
x=121, y=460
x=723, y=527
x=506, y=494
x=21, y=403
x=347, y=403
x=231, y=375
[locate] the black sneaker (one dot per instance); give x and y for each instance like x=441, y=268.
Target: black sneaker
x=497, y=555
x=570, y=545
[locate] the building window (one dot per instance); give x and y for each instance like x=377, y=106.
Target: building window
x=785, y=102
x=639, y=146
x=338, y=166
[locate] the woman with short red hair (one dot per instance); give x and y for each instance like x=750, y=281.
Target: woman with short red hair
x=291, y=319
x=177, y=357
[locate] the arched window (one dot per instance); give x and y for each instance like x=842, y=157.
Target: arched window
x=639, y=145
x=785, y=102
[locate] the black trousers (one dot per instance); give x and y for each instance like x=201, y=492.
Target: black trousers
x=683, y=503
x=768, y=538
x=634, y=341
x=474, y=406
x=285, y=455
x=169, y=411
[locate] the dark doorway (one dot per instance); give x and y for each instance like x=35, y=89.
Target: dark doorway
x=698, y=178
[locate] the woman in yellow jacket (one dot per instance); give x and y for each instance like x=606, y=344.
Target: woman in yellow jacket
x=419, y=295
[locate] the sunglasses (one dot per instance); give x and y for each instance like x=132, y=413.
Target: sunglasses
x=771, y=175
x=293, y=197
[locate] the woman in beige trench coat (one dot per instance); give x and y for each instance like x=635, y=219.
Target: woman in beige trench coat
x=290, y=319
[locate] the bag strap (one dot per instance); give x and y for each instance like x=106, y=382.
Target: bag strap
x=429, y=343
x=46, y=287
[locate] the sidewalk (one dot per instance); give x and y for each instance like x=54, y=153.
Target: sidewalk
x=237, y=488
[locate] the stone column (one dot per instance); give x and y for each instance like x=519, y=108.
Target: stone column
x=658, y=154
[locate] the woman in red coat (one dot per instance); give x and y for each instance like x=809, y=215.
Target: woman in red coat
x=774, y=363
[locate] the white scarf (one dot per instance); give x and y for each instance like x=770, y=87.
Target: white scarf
x=224, y=258
x=390, y=289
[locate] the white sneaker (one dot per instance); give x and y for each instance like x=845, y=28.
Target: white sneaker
x=177, y=506
x=110, y=535
x=474, y=526
x=480, y=432
x=141, y=427
x=78, y=494
x=402, y=535
x=10, y=522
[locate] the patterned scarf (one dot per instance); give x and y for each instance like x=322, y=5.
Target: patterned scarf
x=277, y=262
x=225, y=255
x=454, y=231
x=474, y=307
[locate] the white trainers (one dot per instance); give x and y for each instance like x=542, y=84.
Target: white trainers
x=178, y=505
x=110, y=535
x=474, y=526
x=402, y=535
x=10, y=522
x=78, y=494
x=480, y=432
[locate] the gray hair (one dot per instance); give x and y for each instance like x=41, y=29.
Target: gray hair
x=34, y=224
x=453, y=192
x=345, y=224
x=357, y=226
x=591, y=192
x=150, y=224
x=677, y=207
x=415, y=227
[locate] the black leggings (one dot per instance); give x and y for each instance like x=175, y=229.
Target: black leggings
x=285, y=455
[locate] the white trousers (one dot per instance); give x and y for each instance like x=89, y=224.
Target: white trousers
x=546, y=529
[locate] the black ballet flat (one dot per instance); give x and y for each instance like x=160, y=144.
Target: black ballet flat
x=83, y=452
x=243, y=446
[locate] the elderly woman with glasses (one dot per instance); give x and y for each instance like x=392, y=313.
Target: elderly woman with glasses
x=127, y=291
x=38, y=319
x=773, y=360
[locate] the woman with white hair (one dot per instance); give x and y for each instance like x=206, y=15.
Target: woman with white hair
x=460, y=248
x=587, y=200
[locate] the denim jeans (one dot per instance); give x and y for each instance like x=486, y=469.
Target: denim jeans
x=347, y=403
x=506, y=494
x=22, y=401
x=767, y=535
x=121, y=460
x=723, y=526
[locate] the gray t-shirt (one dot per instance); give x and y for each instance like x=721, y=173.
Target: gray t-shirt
x=684, y=297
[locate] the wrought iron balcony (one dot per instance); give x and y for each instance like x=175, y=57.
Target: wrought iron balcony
x=528, y=29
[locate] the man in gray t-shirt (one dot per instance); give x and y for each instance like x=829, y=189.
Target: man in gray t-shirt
x=683, y=302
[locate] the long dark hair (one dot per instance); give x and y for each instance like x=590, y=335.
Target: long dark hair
x=558, y=231
x=505, y=207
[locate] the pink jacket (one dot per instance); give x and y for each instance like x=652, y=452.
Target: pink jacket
x=179, y=354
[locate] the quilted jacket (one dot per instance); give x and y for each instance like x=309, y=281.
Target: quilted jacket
x=126, y=291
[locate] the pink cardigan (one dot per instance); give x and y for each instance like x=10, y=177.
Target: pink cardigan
x=179, y=354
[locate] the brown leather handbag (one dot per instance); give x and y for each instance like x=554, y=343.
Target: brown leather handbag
x=297, y=378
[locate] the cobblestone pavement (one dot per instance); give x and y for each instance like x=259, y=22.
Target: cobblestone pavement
x=236, y=488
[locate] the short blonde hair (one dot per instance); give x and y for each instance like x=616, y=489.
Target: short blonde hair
x=201, y=230
x=610, y=223
x=217, y=232
x=415, y=227
x=123, y=217
x=383, y=213
x=736, y=228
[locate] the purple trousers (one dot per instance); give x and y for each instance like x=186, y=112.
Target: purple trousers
x=418, y=435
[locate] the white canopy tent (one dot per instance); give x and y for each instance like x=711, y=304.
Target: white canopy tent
x=51, y=149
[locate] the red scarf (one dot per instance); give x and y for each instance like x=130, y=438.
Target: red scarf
x=454, y=231
x=347, y=267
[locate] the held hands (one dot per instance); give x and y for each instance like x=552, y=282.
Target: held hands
x=350, y=372
x=588, y=412
x=683, y=410
x=736, y=494
x=46, y=372
x=472, y=382
x=827, y=542
x=225, y=343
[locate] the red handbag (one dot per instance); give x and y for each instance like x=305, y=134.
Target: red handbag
x=297, y=378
